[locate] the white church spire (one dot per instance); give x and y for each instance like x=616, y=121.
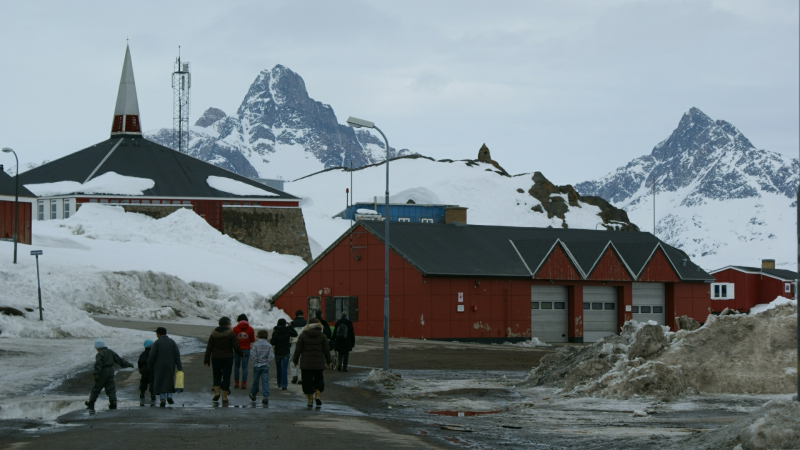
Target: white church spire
x=126, y=112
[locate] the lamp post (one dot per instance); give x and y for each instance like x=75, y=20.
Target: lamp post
x=16, y=199
x=359, y=123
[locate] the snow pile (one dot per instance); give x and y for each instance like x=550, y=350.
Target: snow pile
x=378, y=376
x=775, y=426
x=110, y=183
x=236, y=187
x=534, y=342
x=779, y=301
x=735, y=354
x=366, y=211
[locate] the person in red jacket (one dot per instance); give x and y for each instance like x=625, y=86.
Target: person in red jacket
x=246, y=336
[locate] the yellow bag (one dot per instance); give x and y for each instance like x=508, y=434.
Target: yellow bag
x=179, y=381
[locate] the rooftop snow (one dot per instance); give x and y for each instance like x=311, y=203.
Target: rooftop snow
x=110, y=183
x=236, y=187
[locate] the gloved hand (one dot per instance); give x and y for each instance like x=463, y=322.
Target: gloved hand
x=96, y=377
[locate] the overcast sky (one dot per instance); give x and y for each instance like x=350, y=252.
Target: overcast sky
x=570, y=88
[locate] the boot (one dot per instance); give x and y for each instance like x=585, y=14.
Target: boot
x=170, y=401
x=216, y=394
x=244, y=384
x=310, y=400
x=265, y=402
x=141, y=394
x=89, y=405
x=152, y=397
x=318, y=397
x=236, y=384
x=252, y=396
x=294, y=380
x=112, y=405
x=225, y=396
x=339, y=368
x=163, y=404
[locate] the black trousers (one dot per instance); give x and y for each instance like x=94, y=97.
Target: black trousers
x=344, y=358
x=146, y=382
x=105, y=381
x=222, y=368
x=313, y=381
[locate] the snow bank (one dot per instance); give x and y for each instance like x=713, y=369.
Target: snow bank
x=366, y=211
x=236, y=187
x=534, y=342
x=110, y=183
x=775, y=426
x=763, y=307
x=735, y=354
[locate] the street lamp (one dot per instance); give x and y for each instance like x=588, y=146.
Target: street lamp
x=16, y=199
x=360, y=123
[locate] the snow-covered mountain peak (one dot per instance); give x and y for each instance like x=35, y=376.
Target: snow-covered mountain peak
x=715, y=190
x=279, y=132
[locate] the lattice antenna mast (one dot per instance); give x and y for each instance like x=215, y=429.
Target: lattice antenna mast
x=181, y=86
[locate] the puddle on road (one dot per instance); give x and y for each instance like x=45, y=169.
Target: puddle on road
x=45, y=409
x=464, y=413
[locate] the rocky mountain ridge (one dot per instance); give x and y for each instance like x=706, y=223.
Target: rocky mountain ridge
x=278, y=132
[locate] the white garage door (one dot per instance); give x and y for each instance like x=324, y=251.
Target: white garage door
x=648, y=302
x=549, y=320
x=599, y=312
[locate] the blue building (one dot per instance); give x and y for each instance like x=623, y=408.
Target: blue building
x=406, y=212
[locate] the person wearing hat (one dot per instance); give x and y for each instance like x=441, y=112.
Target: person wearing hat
x=281, y=342
x=146, y=379
x=246, y=336
x=222, y=345
x=164, y=358
x=104, y=374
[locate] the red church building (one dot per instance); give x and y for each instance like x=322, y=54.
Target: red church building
x=742, y=287
x=473, y=282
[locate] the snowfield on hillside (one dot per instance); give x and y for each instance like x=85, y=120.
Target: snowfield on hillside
x=492, y=199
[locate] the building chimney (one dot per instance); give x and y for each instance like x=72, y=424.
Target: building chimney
x=767, y=263
x=455, y=214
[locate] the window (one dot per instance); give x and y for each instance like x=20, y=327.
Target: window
x=187, y=202
x=787, y=287
x=609, y=306
x=114, y=201
x=722, y=291
x=404, y=219
x=426, y=220
x=103, y=200
x=53, y=209
x=92, y=200
x=125, y=201
x=335, y=306
x=547, y=305
x=597, y=306
x=41, y=210
x=560, y=305
x=587, y=305
x=66, y=209
x=534, y=305
x=658, y=309
x=145, y=201
x=635, y=309
x=645, y=310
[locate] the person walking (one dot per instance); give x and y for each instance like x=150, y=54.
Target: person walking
x=281, y=343
x=164, y=358
x=326, y=329
x=246, y=336
x=222, y=344
x=345, y=341
x=104, y=374
x=262, y=355
x=146, y=374
x=298, y=324
x=313, y=347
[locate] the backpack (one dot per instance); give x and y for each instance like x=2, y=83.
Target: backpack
x=341, y=331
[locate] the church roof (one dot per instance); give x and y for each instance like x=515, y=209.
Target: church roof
x=7, y=186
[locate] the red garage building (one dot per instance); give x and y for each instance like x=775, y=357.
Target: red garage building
x=26, y=201
x=742, y=287
x=458, y=281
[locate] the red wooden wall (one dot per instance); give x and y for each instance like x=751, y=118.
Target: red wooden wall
x=750, y=289
x=426, y=307
x=23, y=223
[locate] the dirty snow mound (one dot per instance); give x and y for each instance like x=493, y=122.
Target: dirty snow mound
x=781, y=303
x=735, y=354
x=775, y=426
x=377, y=376
x=534, y=342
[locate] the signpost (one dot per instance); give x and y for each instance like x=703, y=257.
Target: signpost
x=38, y=253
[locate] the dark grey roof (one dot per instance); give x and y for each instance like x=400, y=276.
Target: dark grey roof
x=7, y=186
x=480, y=250
x=175, y=174
x=784, y=274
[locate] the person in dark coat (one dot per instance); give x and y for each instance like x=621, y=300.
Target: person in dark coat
x=345, y=341
x=298, y=323
x=313, y=347
x=281, y=342
x=222, y=344
x=146, y=374
x=326, y=329
x=104, y=374
x=163, y=360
